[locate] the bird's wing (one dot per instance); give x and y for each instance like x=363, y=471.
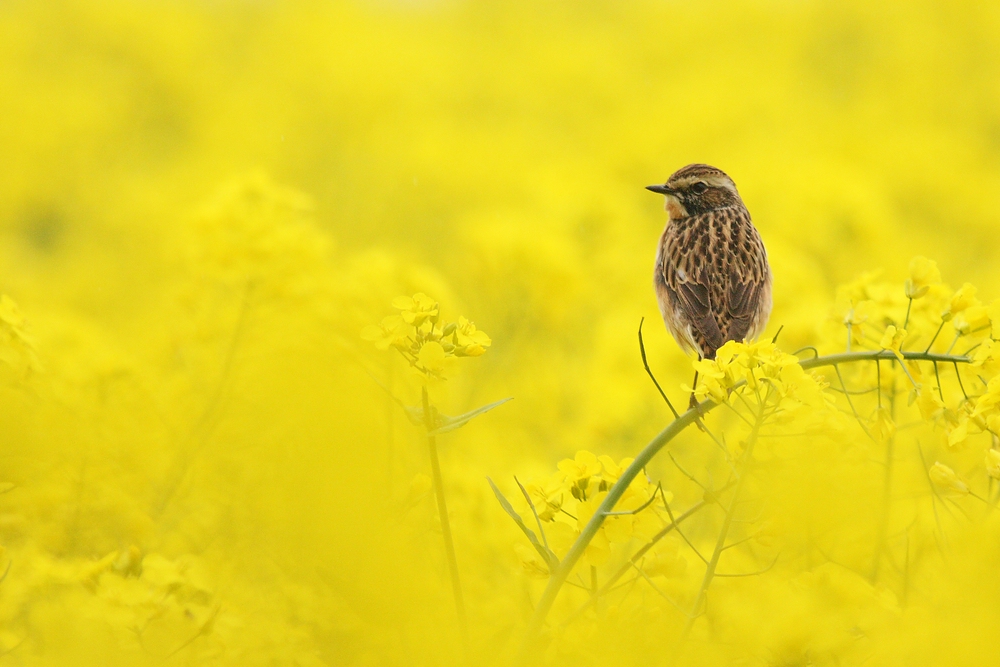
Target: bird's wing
x=687, y=278
x=744, y=269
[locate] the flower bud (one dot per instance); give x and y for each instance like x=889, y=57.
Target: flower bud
x=993, y=463
x=923, y=274
x=945, y=479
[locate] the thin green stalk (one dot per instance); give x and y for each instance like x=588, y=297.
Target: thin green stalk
x=883, y=526
x=726, y=524
x=449, y=544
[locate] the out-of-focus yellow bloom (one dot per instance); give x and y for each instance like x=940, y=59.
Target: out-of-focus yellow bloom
x=892, y=340
x=666, y=560
x=987, y=356
x=560, y=536
x=929, y=403
x=946, y=481
x=611, y=471
x=923, y=274
x=962, y=299
x=990, y=399
x=581, y=467
x=994, y=314
x=431, y=347
x=882, y=425
x=417, y=309
x=992, y=463
x=392, y=331
x=958, y=433
x=974, y=318
x=531, y=561
x=548, y=496
x=469, y=341
x=432, y=360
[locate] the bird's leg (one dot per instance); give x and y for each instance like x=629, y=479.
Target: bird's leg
x=693, y=403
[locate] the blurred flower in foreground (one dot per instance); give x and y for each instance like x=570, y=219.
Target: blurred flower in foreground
x=892, y=340
x=429, y=345
x=993, y=463
x=946, y=480
x=923, y=274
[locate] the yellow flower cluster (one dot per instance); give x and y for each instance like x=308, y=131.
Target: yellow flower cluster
x=566, y=501
x=754, y=368
x=430, y=345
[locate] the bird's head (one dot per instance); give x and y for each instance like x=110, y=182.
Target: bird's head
x=697, y=188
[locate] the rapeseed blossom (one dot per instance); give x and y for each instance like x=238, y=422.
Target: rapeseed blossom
x=429, y=345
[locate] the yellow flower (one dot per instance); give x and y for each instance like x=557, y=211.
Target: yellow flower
x=928, y=402
x=417, y=309
x=612, y=470
x=987, y=356
x=993, y=463
x=994, y=313
x=711, y=381
x=469, y=341
x=666, y=560
x=392, y=331
x=962, y=299
x=433, y=361
x=923, y=274
x=882, y=426
x=582, y=467
x=892, y=340
x=547, y=497
x=990, y=399
x=945, y=479
x=531, y=561
x=560, y=536
x=855, y=318
x=958, y=433
x=973, y=318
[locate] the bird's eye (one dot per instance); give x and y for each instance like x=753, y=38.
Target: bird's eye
x=699, y=188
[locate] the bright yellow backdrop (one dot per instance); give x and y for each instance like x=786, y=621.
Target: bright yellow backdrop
x=203, y=203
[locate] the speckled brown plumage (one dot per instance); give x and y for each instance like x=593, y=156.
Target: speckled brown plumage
x=712, y=279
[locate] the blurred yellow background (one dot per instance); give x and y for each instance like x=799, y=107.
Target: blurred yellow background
x=203, y=203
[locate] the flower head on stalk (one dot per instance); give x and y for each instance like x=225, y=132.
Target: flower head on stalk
x=923, y=274
x=432, y=347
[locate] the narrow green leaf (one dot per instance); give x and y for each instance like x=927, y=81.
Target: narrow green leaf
x=451, y=423
x=543, y=551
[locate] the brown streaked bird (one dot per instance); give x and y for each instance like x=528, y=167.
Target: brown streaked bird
x=712, y=279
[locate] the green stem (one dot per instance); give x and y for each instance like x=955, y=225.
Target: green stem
x=870, y=355
x=449, y=544
x=727, y=523
x=559, y=575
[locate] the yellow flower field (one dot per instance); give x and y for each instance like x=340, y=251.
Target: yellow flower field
x=270, y=270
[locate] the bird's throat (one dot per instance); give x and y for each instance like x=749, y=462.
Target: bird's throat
x=675, y=209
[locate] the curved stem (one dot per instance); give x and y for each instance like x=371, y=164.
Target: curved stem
x=449, y=544
x=559, y=575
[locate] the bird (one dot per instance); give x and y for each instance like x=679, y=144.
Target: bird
x=712, y=277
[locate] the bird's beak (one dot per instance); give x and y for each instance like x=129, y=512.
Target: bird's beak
x=660, y=189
